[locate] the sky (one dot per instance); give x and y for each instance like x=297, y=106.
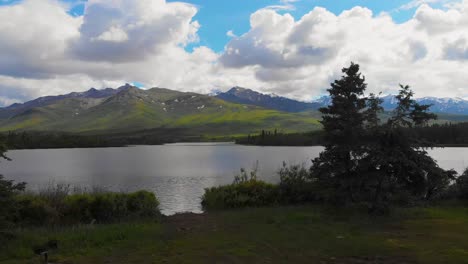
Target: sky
x=293, y=48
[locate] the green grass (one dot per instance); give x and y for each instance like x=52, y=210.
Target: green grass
x=305, y=234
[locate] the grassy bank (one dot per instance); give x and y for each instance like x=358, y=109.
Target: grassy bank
x=304, y=234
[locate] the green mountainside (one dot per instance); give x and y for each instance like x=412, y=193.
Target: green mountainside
x=158, y=111
x=132, y=109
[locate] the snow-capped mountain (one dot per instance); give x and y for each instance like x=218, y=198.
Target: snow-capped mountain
x=457, y=106
x=241, y=95
x=272, y=101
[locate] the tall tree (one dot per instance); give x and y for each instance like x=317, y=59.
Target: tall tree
x=367, y=162
x=343, y=123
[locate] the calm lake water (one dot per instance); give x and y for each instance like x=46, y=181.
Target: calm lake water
x=177, y=173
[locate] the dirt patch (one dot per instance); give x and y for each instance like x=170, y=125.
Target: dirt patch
x=188, y=222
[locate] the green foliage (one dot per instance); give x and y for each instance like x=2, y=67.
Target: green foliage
x=373, y=164
x=34, y=210
x=462, y=186
x=296, y=185
x=78, y=207
x=57, y=206
x=336, y=169
x=275, y=138
x=245, y=191
x=8, y=191
x=142, y=203
x=343, y=119
x=246, y=194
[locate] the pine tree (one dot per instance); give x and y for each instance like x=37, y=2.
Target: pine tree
x=369, y=163
x=343, y=122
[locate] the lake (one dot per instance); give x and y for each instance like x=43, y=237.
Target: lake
x=177, y=173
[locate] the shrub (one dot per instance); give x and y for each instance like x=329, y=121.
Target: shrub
x=77, y=208
x=142, y=203
x=83, y=208
x=34, y=210
x=104, y=207
x=296, y=185
x=245, y=191
x=252, y=193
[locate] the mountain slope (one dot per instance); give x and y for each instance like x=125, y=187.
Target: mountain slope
x=129, y=108
x=247, y=96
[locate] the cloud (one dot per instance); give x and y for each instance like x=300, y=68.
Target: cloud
x=428, y=51
x=45, y=50
x=416, y=3
x=114, y=34
x=231, y=34
x=34, y=35
x=124, y=30
x=457, y=50
x=284, y=5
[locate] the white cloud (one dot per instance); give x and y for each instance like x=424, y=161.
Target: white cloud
x=428, y=52
x=44, y=50
x=231, y=34
x=284, y=5
x=133, y=30
x=416, y=3
x=114, y=34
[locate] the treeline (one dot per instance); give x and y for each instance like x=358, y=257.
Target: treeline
x=445, y=134
x=38, y=140
x=275, y=138
x=449, y=134
x=44, y=140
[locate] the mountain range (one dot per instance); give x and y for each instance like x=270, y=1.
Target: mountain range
x=235, y=112
x=129, y=108
x=456, y=106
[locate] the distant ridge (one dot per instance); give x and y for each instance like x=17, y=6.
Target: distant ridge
x=457, y=106
x=247, y=96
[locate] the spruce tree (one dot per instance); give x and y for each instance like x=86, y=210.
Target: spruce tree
x=371, y=163
x=343, y=122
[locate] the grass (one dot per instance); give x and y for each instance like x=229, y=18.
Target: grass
x=305, y=234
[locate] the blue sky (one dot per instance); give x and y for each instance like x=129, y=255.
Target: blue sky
x=217, y=17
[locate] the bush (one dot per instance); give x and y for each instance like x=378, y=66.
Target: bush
x=252, y=193
x=83, y=208
x=296, y=185
x=78, y=208
x=33, y=210
x=106, y=207
x=245, y=191
x=142, y=203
